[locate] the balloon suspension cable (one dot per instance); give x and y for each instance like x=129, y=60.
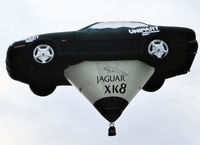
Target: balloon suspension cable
x=111, y=130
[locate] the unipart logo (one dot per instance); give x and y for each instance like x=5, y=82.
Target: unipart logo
x=144, y=31
x=31, y=38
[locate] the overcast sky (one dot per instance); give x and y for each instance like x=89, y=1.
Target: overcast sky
x=170, y=116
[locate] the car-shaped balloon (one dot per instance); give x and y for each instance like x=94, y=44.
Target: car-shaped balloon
x=40, y=60
x=108, y=62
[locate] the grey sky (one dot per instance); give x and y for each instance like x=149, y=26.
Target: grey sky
x=168, y=116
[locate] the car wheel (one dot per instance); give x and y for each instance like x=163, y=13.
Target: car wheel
x=158, y=48
x=43, y=53
x=152, y=86
x=156, y=52
x=42, y=90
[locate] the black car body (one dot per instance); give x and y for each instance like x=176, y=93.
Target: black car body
x=101, y=41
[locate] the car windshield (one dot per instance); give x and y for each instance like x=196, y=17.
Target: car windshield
x=115, y=25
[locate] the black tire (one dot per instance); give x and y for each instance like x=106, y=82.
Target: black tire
x=43, y=90
x=152, y=86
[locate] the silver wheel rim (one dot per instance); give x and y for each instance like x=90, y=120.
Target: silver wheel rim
x=43, y=53
x=158, y=48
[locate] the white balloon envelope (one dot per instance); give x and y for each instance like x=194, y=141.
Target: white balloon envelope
x=109, y=85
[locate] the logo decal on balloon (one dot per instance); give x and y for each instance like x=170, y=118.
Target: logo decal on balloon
x=114, y=70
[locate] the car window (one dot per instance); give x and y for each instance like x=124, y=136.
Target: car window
x=115, y=25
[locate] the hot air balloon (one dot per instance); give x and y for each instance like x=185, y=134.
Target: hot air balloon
x=108, y=62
